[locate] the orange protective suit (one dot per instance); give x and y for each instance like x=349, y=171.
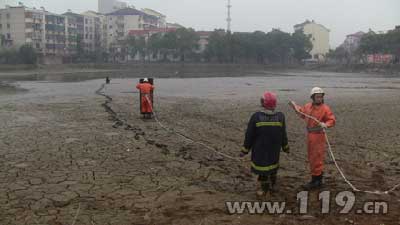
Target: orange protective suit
x=316, y=141
x=146, y=99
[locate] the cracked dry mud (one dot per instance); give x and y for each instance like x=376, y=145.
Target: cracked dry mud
x=95, y=153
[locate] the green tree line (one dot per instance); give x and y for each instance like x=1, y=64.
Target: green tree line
x=223, y=47
x=388, y=43
x=23, y=55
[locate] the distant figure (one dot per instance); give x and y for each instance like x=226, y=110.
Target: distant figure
x=108, y=80
x=265, y=137
x=146, y=99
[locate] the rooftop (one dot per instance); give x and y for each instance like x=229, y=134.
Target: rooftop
x=301, y=25
x=130, y=11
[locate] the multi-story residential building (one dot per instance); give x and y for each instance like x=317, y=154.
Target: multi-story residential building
x=122, y=21
x=21, y=25
x=99, y=29
x=352, y=41
x=161, y=19
x=45, y=31
x=71, y=34
x=319, y=36
x=109, y=6
x=75, y=24
x=55, y=32
x=89, y=33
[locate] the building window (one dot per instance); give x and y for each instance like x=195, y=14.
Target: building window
x=8, y=26
x=8, y=16
x=1, y=25
x=8, y=36
x=110, y=27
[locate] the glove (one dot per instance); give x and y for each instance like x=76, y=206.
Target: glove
x=286, y=149
x=323, y=125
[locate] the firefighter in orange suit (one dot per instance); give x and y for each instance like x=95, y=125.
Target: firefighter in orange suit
x=146, y=101
x=316, y=141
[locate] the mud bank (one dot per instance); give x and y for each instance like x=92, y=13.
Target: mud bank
x=66, y=148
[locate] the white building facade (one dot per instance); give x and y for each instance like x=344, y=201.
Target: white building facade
x=319, y=36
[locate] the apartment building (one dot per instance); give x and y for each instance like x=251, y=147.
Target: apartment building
x=122, y=21
x=45, y=31
x=161, y=18
x=20, y=25
x=97, y=29
x=55, y=34
x=319, y=36
x=52, y=34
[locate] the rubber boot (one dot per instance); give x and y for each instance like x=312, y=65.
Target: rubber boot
x=316, y=182
x=273, y=182
x=262, y=190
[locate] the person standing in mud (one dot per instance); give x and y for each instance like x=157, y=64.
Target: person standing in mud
x=316, y=138
x=265, y=137
x=146, y=101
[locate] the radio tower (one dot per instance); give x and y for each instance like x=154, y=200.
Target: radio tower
x=229, y=20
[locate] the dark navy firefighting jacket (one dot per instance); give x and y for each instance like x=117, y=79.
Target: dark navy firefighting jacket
x=265, y=137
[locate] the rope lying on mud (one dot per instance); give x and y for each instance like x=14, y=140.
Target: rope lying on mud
x=354, y=188
x=338, y=167
x=188, y=138
x=109, y=99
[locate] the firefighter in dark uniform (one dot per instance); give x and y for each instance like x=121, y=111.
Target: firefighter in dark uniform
x=265, y=137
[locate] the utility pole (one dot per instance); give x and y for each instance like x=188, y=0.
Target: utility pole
x=229, y=19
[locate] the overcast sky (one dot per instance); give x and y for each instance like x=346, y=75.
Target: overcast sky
x=342, y=17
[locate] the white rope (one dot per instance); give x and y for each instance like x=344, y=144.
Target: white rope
x=338, y=167
x=187, y=138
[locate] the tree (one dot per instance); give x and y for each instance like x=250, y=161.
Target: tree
x=217, y=46
x=2, y=40
x=9, y=56
x=137, y=46
x=27, y=54
x=169, y=44
x=301, y=45
x=187, y=42
x=155, y=45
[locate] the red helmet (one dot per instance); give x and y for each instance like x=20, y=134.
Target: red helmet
x=269, y=100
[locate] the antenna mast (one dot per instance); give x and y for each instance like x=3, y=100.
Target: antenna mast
x=229, y=19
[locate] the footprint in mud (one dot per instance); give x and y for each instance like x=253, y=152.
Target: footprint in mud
x=183, y=153
x=118, y=124
x=150, y=142
x=164, y=148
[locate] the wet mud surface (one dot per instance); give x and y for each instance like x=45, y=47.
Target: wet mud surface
x=77, y=152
